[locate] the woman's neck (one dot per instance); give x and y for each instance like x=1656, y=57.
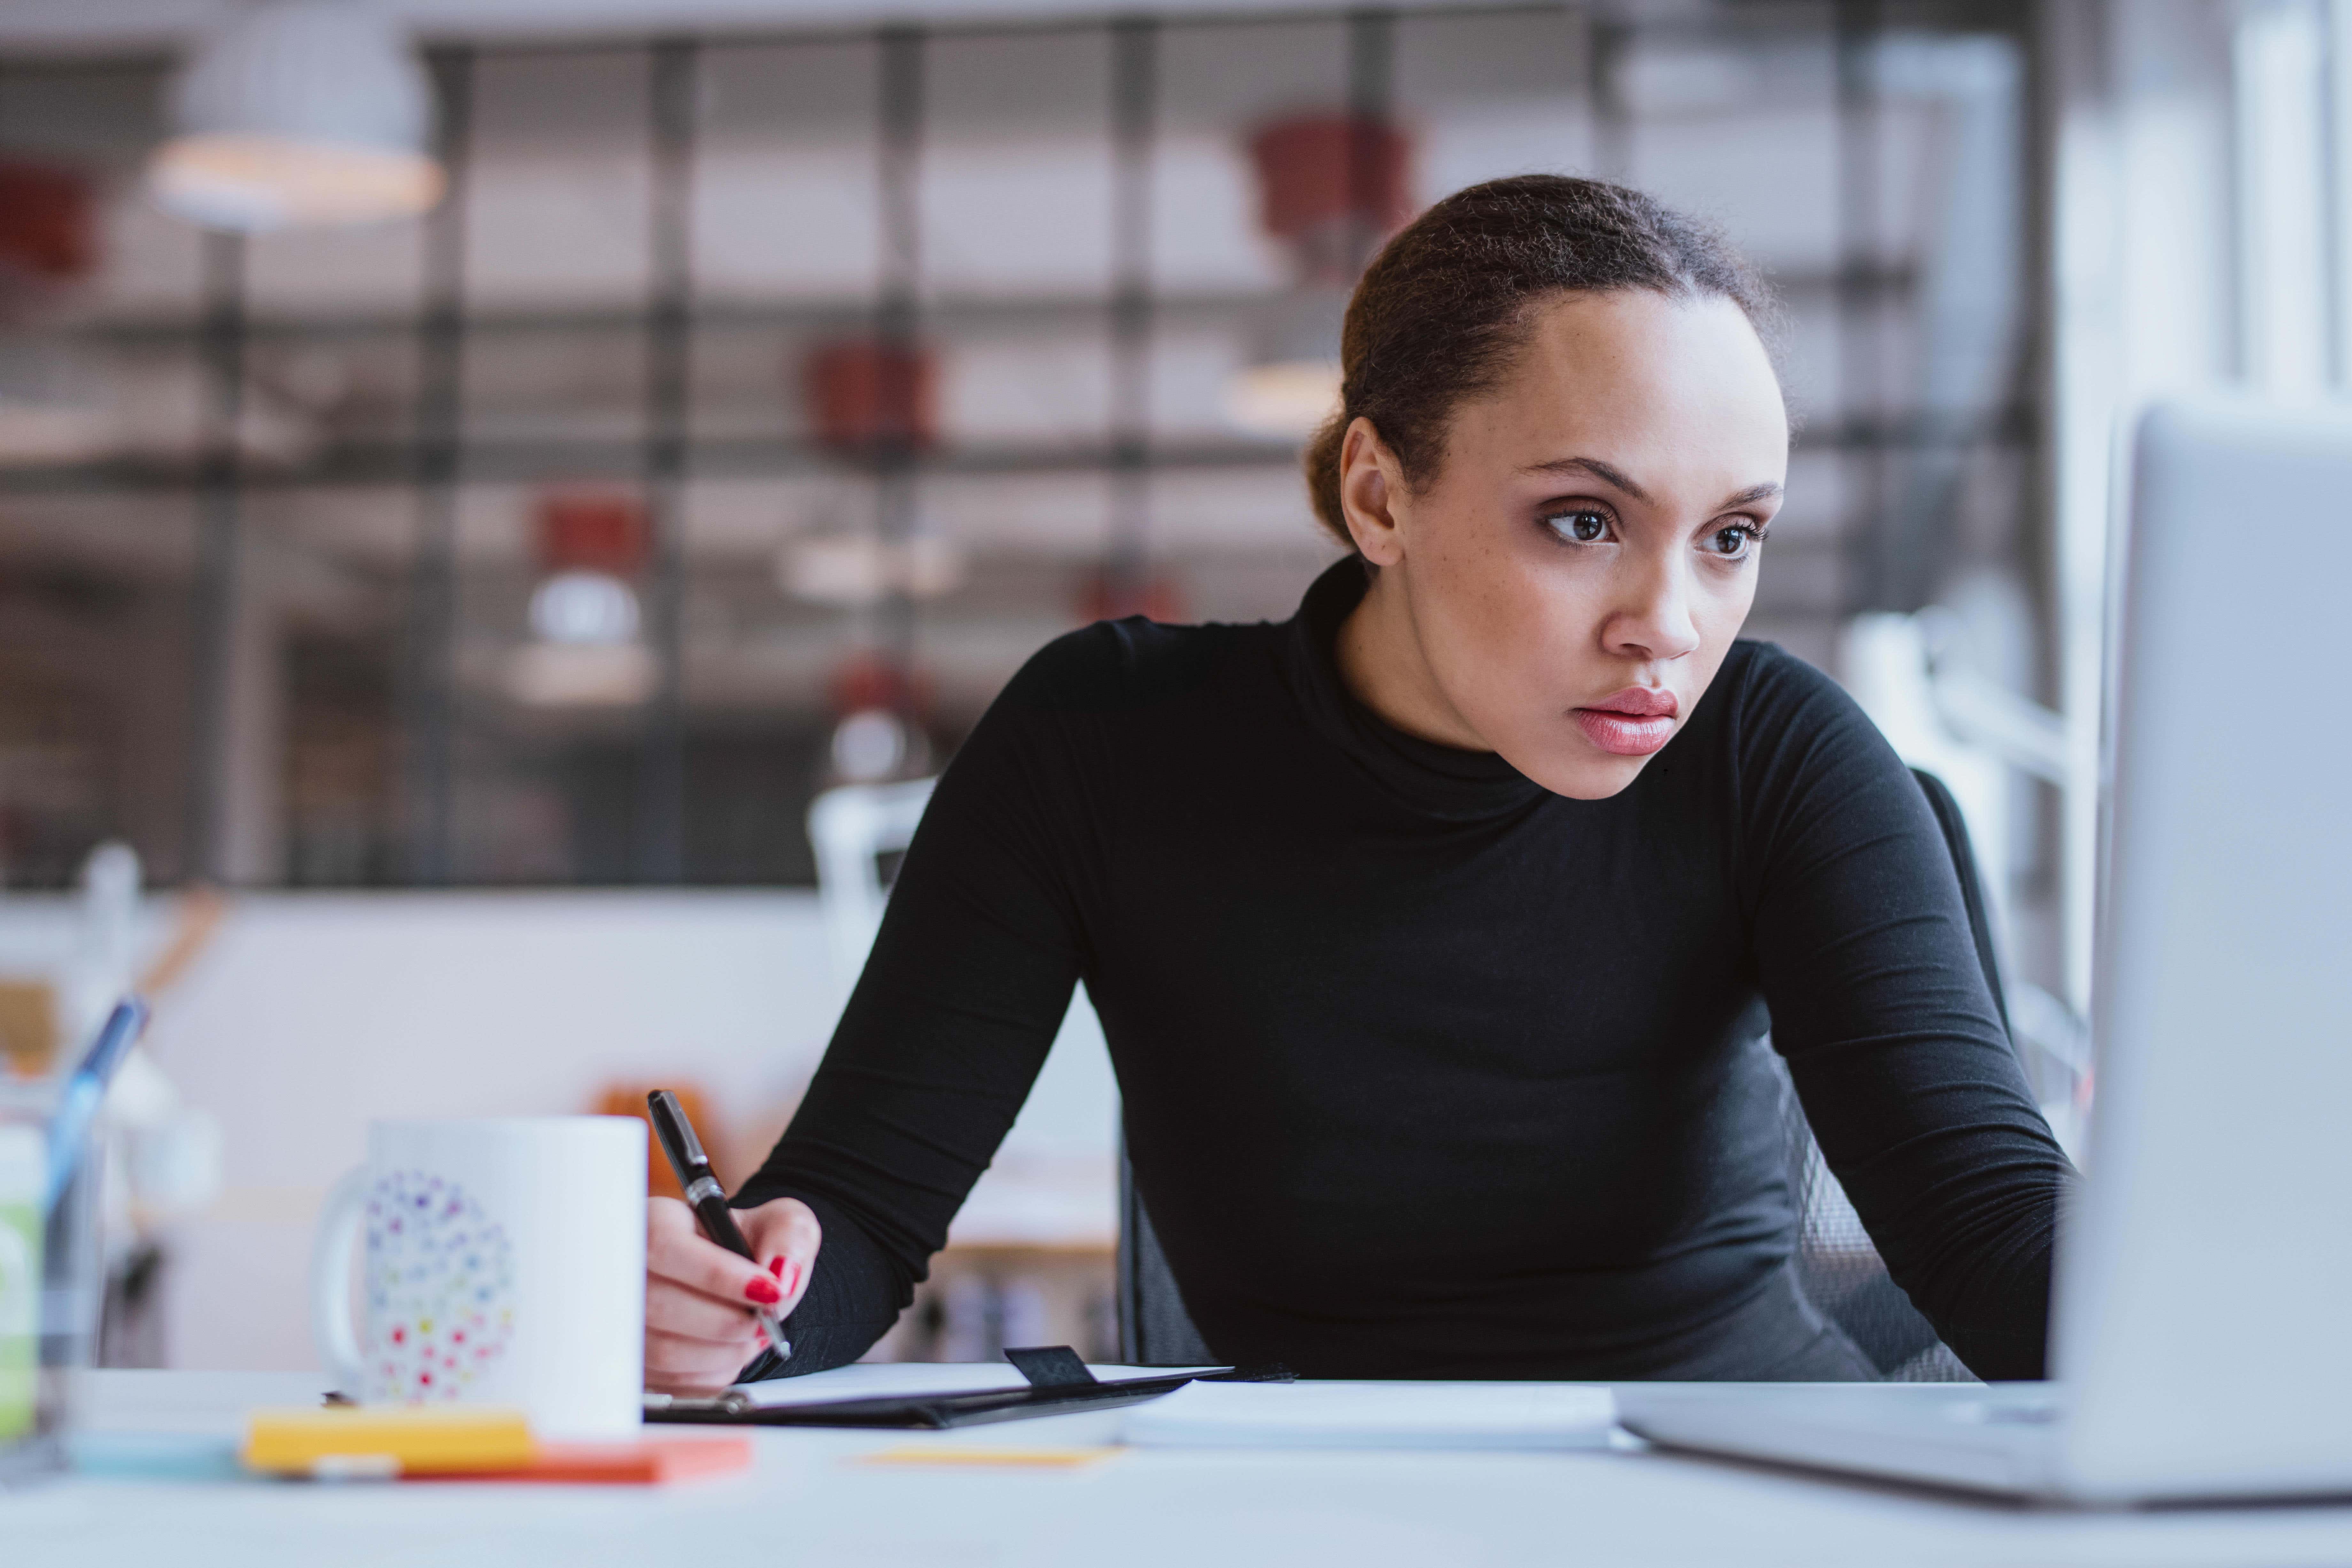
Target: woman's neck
x=1381, y=663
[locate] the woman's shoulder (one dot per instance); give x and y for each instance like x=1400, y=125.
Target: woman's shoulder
x=1788, y=728
x=1113, y=666
x=1764, y=676
x=1079, y=713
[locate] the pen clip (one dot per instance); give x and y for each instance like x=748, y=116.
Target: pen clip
x=685, y=1146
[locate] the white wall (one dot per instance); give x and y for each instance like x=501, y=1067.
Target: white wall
x=313, y=1014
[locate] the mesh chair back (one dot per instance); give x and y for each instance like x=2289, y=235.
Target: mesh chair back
x=1154, y=1329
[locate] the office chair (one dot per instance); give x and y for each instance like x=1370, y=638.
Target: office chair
x=1154, y=1329
x=1836, y=1264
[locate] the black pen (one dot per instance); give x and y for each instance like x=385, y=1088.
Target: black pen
x=706, y=1197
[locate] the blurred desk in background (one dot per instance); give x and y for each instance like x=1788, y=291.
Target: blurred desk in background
x=1030, y=1260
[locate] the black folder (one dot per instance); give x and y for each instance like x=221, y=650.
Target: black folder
x=1059, y=1384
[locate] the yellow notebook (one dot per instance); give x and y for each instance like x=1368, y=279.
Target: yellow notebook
x=398, y=1441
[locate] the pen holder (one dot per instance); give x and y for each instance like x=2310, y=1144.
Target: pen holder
x=51, y=1284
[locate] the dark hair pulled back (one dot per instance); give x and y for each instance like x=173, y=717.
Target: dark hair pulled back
x=1444, y=307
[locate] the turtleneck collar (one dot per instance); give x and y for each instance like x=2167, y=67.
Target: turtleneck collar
x=1433, y=780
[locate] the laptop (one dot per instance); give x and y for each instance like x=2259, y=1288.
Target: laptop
x=2201, y=1330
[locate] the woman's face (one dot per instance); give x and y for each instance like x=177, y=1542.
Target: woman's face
x=1565, y=586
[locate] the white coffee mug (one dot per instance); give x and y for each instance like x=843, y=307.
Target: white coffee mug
x=504, y=1264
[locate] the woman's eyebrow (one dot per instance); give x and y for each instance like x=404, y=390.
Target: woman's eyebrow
x=1605, y=472
x=1609, y=474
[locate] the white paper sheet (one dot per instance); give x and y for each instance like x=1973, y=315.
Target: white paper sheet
x=875, y=1379
x=1375, y=1415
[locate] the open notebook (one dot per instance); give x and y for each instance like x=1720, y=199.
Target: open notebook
x=1046, y=1381
x=904, y=1379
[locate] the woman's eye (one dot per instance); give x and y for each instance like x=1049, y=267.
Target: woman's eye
x=1731, y=543
x=1583, y=525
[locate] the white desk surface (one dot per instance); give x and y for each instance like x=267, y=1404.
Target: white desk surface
x=807, y=1501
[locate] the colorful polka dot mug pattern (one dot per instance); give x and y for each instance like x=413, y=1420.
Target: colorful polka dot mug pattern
x=440, y=1289
x=499, y=1261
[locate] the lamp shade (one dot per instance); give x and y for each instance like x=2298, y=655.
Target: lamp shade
x=299, y=112
x=48, y=224
x=865, y=395
x=1331, y=187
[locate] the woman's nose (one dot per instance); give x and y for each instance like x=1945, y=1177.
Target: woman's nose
x=1653, y=619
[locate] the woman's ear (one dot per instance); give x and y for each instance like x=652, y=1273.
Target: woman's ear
x=1371, y=488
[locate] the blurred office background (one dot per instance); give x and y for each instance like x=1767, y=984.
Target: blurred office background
x=451, y=577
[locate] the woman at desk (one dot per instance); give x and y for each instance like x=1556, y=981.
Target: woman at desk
x=1428, y=929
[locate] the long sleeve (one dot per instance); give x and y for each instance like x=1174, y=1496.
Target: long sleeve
x=950, y=1022
x=1881, y=1009
x=1426, y=1072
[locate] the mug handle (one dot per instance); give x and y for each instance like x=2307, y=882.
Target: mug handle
x=330, y=1282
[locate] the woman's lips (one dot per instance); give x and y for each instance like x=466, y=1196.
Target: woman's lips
x=1630, y=723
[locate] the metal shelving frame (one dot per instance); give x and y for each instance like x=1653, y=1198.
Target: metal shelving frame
x=438, y=455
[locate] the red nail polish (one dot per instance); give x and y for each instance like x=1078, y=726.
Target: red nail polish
x=763, y=1291
x=776, y=1266
x=791, y=1279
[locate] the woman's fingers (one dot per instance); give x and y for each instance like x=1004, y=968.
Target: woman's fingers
x=675, y=1365
x=689, y=1314
x=786, y=1235
x=701, y=1329
x=677, y=1251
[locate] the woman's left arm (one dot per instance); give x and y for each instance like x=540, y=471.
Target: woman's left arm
x=1883, y=1011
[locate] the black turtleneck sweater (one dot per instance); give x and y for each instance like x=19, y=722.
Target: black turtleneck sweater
x=1428, y=1072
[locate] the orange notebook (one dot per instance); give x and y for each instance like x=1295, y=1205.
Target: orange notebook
x=623, y=1464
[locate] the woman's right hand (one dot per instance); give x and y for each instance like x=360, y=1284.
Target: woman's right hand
x=700, y=1299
